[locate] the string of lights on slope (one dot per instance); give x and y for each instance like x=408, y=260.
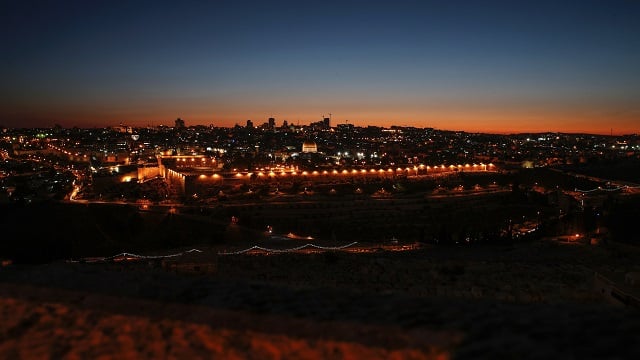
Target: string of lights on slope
x=130, y=256
x=256, y=247
x=608, y=189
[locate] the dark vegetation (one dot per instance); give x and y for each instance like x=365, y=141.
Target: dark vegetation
x=625, y=169
x=47, y=231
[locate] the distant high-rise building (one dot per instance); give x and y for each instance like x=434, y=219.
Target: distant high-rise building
x=327, y=122
x=272, y=123
x=249, y=124
x=285, y=124
x=179, y=123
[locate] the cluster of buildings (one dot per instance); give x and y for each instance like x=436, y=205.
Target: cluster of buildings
x=320, y=150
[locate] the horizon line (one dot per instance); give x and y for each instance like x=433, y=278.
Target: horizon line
x=505, y=133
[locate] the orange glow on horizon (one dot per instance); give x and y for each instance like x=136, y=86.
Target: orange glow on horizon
x=605, y=119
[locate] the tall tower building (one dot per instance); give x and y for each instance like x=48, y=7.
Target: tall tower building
x=179, y=123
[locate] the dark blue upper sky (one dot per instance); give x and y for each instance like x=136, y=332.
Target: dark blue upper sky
x=470, y=65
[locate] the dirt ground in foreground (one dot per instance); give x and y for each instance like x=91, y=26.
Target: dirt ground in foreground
x=527, y=301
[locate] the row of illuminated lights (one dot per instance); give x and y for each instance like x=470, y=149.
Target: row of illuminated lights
x=352, y=172
x=169, y=153
x=175, y=173
x=193, y=159
x=599, y=188
x=364, y=171
x=65, y=151
x=297, y=248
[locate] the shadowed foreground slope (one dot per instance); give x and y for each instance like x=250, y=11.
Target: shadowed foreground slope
x=414, y=305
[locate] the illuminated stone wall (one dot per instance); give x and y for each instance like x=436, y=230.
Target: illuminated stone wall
x=146, y=173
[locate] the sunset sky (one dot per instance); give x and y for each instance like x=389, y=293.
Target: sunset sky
x=487, y=66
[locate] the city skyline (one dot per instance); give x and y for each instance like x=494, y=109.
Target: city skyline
x=495, y=67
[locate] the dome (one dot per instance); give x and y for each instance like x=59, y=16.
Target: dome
x=309, y=147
